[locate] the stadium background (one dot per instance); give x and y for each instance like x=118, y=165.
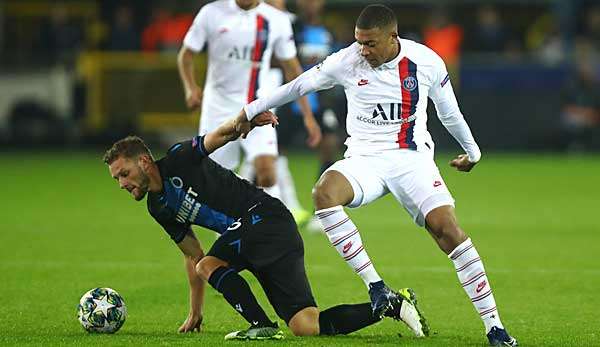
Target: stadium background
x=75, y=75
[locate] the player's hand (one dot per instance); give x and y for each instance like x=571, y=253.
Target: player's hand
x=243, y=126
x=314, y=132
x=191, y=324
x=265, y=118
x=462, y=163
x=193, y=98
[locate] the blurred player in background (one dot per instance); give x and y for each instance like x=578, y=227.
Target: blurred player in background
x=314, y=44
x=241, y=37
x=285, y=181
x=258, y=234
x=387, y=81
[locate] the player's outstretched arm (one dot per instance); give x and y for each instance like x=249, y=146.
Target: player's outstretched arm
x=293, y=69
x=300, y=86
x=236, y=127
x=193, y=253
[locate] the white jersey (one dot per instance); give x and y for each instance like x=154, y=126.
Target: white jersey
x=240, y=45
x=387, y=105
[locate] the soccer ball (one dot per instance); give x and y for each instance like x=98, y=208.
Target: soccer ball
x=101, y=310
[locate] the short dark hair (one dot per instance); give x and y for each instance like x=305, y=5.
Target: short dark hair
x=129, y=147
x=376, y=16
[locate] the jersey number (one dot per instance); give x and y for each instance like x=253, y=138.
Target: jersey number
x=235, y=225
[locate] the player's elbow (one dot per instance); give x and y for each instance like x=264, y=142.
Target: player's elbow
x=185, y=55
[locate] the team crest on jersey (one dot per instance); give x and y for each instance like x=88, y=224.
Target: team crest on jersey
x=176, y=182
x=409, y=83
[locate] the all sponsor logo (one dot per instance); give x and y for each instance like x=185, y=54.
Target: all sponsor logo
x=390, y=114
x=437, y=183
x=363, y=82
x=177, y=182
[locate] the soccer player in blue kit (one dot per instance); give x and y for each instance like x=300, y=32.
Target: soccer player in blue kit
x=258, y=234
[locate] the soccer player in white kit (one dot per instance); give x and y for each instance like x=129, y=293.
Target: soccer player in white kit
x=242, y=36
x=387, y=81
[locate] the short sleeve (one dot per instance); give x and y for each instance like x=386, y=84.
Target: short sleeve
x=197, y=34
x=163, y=216
x=284, y=46
x=198, y=146
x=176, y=231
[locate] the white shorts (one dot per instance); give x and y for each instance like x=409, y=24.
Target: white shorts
x=260, y=141
x=412, y=177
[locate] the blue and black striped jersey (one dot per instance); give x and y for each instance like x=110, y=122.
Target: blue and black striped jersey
x=198, y=191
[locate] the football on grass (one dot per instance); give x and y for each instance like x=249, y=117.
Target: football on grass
x=102, y=310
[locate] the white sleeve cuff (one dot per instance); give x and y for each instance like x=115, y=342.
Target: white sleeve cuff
x=474, y=155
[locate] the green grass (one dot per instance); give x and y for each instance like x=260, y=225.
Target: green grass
x=66, y=228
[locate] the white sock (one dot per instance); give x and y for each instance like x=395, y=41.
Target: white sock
x=474, y=281
x=286, y=184
x=344, y=236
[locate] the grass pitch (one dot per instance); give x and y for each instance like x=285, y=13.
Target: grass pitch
x=66, y=228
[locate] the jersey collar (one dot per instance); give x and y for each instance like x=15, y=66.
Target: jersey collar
x=393, y=64
x=234, y=6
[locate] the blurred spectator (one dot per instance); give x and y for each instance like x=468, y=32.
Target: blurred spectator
x=166, y=30
x=123, y=36
x=592, y=27
x=581, y=103
x=315, y=43
x=1, y=30
x=444, y=37
x=489, y=33
x=544, y=39
x=61, y=39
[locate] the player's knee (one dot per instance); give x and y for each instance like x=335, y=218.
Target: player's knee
x=442, y=224
x=305, y=330
x=332, y=189
x=265, y=171
x=266, y=178
x=206, y=266
x=323, y=197
x=305, y=322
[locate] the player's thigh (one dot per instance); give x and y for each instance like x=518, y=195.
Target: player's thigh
x=260, y=141
x=419, y=186
x=363, y=175
x=286, y=285
x=228, y=247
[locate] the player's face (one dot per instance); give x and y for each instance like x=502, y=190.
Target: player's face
x=246, y=4
x=377, y=45
x=130, y=176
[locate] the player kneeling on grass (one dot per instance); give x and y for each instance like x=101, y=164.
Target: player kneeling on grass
x=257, y=234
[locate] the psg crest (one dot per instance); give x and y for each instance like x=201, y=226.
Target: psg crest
x=409, y=83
